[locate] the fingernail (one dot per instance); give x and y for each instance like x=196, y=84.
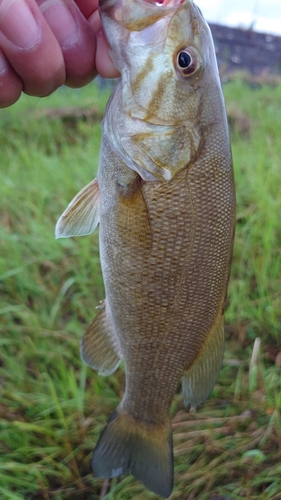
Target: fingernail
x=3, y=63
x=60, y=21
x=18, y=24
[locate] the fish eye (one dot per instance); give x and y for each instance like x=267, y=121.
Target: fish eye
x=186, y=62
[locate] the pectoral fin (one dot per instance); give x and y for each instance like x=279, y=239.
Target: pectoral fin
x=82, y=214
x=100, y=347
x=199, y=379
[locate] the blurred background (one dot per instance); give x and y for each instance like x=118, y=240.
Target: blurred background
x=260, y=15
x=52, y=407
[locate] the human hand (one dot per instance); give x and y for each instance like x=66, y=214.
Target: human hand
x=47, y=43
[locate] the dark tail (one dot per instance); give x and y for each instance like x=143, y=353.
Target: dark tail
x=128, y=445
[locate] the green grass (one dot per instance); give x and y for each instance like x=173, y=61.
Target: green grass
x=255, y=287
x=52, y=408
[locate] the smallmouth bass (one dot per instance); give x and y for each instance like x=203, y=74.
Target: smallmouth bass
x=165, y=202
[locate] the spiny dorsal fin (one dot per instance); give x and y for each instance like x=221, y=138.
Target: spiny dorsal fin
x=100, y=348
x=199, y=380
x=82, y=214
x=129, y=445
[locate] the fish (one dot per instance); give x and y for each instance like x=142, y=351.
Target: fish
x=164, y=199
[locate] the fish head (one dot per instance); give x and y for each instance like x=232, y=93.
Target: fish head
x=169, y=78
x=163, y=50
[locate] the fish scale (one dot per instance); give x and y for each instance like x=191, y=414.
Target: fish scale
x=164, y=198
x=167, y=283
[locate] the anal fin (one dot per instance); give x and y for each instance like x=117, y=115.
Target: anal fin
x=100, y=347
x=200, y=378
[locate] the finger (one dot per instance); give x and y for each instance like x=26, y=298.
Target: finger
x=30, y=47
x=76, y=38
x=10, y=83
x=104, y=64
x=87, y=7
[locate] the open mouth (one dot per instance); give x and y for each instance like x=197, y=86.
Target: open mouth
x=165, y=3
x=107, y=4
x=136, y=15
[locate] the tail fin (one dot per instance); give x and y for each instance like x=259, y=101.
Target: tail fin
x=129, y=445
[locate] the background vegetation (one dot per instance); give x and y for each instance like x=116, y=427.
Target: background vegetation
x=52, y=408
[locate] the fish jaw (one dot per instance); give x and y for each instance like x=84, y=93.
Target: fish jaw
x=135, y=15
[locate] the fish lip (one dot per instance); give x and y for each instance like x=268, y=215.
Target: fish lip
x=135, y=15
x=163, y=4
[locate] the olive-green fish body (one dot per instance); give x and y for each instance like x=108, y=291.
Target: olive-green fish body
x=164, y=198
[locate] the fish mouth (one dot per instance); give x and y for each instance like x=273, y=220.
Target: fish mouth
x=105, y=4
x=164, y=3
x=136, y=15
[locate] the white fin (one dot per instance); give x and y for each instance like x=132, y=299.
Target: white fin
x=82, y=214
x=100, y=347
x=200, y=378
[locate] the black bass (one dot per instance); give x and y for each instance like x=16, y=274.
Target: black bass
x=164, y=199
